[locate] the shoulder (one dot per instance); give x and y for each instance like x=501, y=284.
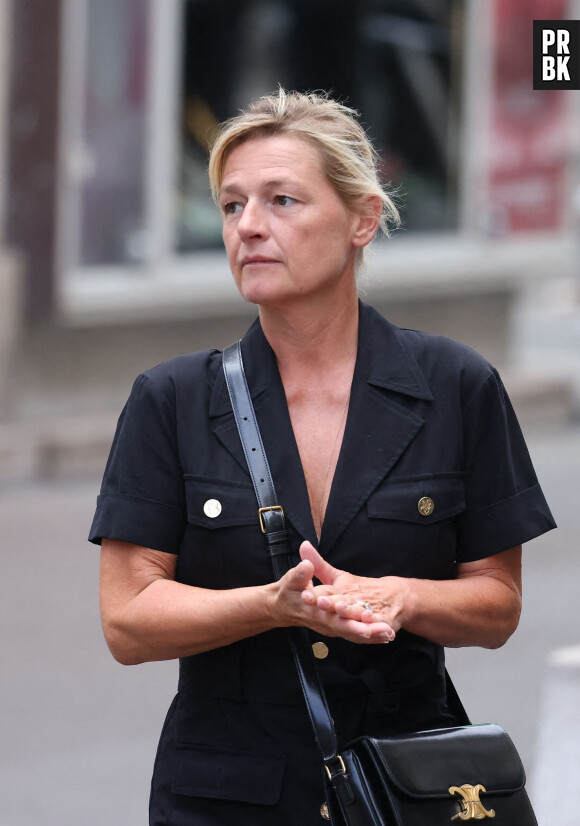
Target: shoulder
x=436, y=351
x=446, y=363
x=450, y=366
x=445, y=366
x=179, y=374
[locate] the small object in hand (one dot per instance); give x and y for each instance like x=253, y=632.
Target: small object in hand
x=366, y=605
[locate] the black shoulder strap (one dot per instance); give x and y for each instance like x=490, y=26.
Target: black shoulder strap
x=273, y=524
x=270, y=513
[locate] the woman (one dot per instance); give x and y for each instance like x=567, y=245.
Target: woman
x=396, y=455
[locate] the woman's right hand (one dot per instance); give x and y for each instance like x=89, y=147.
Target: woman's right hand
x=147, y=615
x=289, y=609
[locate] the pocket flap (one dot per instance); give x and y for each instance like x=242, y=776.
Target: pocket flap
x=230, y=775
x=218, y=503
x=429, y=763
x=404, y=499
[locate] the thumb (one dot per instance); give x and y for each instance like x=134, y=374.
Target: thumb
x=322, y=569
x=300, y=577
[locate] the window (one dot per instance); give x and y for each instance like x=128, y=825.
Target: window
x=112, y=191
x=396, y=61
x=146, y=81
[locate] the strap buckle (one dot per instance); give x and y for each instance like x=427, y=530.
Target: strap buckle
x=332, y=774
x=263, y=510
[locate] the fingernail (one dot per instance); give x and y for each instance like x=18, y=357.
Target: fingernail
x=386, y=636
x=341, y=605
x=323, y=602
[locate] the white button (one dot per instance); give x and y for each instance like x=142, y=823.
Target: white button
x=212, y=508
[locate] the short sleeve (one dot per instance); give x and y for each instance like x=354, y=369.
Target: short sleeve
x=142, y=494
x=505, y=504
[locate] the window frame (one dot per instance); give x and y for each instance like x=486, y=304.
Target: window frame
x=173, y=284
x=161, y=140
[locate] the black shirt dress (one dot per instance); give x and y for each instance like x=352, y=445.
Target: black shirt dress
x=433, y=471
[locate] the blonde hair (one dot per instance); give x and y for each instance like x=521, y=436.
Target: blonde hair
x=347, y=156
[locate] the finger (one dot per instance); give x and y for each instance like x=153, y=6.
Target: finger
x=344, y=606
x=383, y=635
x=322, y=569
x=308, y=596
x=378, y=633
x=356, y=610
x=312, y=594
x=299, y=578
x=358, y=625
x=333, y=625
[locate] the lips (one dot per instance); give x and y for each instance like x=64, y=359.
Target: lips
x=257, y=259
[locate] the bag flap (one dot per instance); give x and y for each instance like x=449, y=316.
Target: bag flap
x=244, y=776
x=428, y=763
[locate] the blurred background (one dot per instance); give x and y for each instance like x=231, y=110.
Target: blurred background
x=111, y=262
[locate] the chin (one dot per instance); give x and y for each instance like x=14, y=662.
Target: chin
x=267, y=294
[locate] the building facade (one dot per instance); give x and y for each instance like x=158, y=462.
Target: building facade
x=106, y=110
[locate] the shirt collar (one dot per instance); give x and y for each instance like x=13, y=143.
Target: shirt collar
x=383, y=359
x=391, y=364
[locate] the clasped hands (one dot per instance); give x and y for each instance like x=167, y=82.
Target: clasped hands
x=359, y=609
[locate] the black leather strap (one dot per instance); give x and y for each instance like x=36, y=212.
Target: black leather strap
x=273, y=524
x=270, y=514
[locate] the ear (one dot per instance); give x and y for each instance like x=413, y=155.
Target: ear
x=368, y=219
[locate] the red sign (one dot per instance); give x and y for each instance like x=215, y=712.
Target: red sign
x=530, y=129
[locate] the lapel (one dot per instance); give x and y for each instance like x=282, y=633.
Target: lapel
x=378, y=428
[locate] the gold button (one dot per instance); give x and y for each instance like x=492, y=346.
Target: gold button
x=426, y=506
x=212, y=508
x=324, y=811
x=320, y=650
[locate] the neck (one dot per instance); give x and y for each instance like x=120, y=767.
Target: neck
x=310, y=337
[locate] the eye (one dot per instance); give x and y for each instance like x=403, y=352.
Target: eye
x=284, y=200
x=231, y=207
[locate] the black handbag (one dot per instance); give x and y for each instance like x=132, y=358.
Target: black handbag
x=431, y=777
x=421, y=779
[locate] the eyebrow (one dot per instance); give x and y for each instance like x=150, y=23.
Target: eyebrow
x=274, y=182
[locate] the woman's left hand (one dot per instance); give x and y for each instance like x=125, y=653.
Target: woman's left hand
x=480, y=606
x=365, y=599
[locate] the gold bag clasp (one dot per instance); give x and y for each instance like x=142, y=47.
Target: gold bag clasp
x=473, y=808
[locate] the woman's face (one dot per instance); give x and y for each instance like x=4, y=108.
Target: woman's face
x=287, y=233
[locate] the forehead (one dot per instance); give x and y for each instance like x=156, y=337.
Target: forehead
x=272, y=156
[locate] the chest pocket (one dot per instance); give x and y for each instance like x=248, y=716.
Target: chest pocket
x=218, y=503
x=420, y=500
x=223, y=546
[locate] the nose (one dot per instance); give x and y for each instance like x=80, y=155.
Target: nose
x=252, y=223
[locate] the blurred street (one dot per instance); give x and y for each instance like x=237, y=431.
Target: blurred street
x=79, y=731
